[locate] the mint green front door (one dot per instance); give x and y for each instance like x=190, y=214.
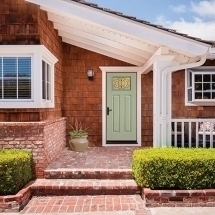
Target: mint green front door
x=121, y=107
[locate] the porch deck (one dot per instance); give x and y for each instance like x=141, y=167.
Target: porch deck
x=95, y=162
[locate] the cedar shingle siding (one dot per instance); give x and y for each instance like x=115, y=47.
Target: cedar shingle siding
x=75, y=95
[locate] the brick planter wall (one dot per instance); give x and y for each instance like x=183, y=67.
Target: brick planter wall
x=179, y=198
x=45, y=139
x=15, y=203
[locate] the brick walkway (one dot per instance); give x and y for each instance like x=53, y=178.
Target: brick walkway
x=98, y=180
x=70, y=204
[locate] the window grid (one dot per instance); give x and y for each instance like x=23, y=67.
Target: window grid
x=15, y=70
x=200, y=85
x=10, y=78
x=203, y=86
x=46, y=81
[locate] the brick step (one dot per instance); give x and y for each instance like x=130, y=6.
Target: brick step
x=65, y=173
x=72, y=187
x=100, y=205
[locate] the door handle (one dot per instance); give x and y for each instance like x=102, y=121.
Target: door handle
x=108, y=110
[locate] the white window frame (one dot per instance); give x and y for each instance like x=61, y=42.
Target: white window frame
x=47, y=82
x=38, y=53
x=194, y=71
x=19, y=100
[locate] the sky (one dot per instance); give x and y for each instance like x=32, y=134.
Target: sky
x=195, y=18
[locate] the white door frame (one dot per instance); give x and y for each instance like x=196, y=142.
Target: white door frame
x=104, y=117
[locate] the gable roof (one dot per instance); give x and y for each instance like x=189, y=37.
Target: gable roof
x=119, y=36
x=142, y=21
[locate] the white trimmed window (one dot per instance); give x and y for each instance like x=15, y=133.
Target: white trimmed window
x=15, y=78
x=200, y=86
x=46, y=81
x=26, y=77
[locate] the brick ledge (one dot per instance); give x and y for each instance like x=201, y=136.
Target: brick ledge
x=179, y=198
x=15, y=203
x=40, y=123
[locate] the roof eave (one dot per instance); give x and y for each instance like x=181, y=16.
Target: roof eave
x=125, y=26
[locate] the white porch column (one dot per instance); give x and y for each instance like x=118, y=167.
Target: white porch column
x=161, y=99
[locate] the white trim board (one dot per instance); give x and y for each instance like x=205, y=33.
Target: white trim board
x=104, y=117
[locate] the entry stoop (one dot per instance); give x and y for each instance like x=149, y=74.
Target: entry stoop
x=94, y=163
x=98, y=171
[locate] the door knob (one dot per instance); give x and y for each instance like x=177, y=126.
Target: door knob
x=108, y=110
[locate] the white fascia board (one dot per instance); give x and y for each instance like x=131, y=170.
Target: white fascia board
x=113, y=22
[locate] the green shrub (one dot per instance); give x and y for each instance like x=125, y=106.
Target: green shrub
x=178, y=168
x=15, y=170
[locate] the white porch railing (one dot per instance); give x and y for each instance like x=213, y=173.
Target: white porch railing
x=193, y=133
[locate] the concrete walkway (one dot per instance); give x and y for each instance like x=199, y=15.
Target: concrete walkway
x=80, y=213
x=153, y=211
x=183, y=211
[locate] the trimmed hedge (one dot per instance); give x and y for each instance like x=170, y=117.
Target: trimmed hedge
x=178, y=168
x=15, y=170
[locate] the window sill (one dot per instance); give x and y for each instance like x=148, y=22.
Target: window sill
x=201, y=103
x=26, y=104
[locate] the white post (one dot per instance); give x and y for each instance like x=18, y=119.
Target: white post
x=161, y=99
x=169, y=108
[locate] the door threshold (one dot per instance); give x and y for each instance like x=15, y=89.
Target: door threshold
x=121, y=143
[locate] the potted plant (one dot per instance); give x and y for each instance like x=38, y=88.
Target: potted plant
x=78, y=137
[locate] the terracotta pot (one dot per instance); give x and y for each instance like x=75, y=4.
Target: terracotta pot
x=79, y=144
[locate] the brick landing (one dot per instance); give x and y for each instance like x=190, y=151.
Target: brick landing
x=70, y=204
x=95, y=163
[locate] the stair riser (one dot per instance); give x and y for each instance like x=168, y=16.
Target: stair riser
x=84, y=191
x=88, y=175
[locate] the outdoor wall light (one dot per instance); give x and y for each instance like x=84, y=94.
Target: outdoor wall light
x=90, y=74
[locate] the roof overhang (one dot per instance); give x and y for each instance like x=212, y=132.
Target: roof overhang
x=115, y=36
